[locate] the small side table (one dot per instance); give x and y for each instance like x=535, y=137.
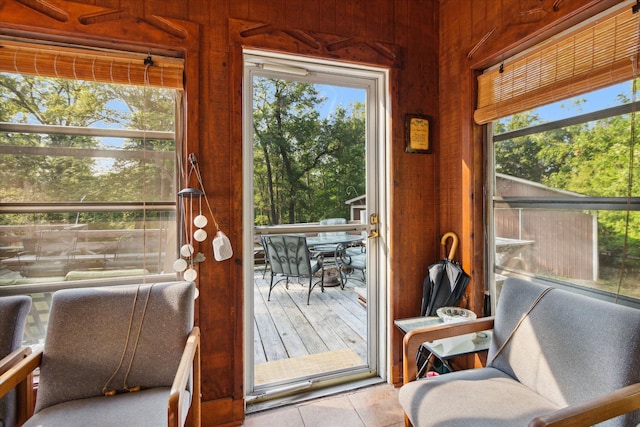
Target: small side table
x=447, y=348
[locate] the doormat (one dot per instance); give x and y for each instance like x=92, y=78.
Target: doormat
x=285, y=369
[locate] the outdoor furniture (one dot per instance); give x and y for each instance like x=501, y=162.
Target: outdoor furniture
x=120, y=355
x=554, y=357
x=289, y=256
x=265, y=254
x=55, y=249
x=351, y=259
x=13, y=318
x=328, y=249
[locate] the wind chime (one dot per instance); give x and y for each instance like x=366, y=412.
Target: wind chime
x=192, y=198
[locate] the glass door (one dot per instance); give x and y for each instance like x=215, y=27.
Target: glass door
x=312, y=133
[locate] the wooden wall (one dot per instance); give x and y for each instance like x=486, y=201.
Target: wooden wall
x=473, y=36
x=399, y=34
x=433, y=49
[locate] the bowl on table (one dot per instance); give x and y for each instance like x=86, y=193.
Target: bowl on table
x=455, y=314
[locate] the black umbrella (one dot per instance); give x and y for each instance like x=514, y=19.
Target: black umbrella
x=445, y=282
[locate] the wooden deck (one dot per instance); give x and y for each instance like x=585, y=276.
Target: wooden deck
x=287, y=328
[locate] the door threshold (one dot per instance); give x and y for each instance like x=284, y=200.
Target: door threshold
x=277, y=402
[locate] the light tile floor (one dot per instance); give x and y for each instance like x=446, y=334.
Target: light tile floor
x=374, y=406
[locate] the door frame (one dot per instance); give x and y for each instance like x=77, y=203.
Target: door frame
x=379, y=160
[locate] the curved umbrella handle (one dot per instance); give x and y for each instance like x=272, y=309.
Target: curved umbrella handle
x=454, y=244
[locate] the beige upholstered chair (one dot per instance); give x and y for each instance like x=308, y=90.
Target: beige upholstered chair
x=13, y=318
x=556, y=359
x=120, y=355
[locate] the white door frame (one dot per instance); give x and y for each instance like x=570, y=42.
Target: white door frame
x=378, y=112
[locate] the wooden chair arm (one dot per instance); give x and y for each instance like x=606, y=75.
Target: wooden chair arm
x=593, y=411
x=19, y=372
x=189, y=362
x=20, y=377
x=14, y=357
x=413, y=339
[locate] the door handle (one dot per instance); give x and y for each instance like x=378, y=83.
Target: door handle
x=373, y=220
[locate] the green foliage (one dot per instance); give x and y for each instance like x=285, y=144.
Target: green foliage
x=304, y=164
x=66, y=172
x=591, y=159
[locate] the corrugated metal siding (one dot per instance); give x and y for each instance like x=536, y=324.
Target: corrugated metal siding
x=563, y=242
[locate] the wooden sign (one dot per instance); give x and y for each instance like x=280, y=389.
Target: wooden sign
x=417, y=134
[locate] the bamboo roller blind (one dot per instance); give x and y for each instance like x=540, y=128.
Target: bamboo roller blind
x=93, y=65
x=600, y=53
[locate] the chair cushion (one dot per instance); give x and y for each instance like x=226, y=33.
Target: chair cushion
x=570, y=348
x=477, y=397
x=140, y=409
x=359, y=262
x=89, y=329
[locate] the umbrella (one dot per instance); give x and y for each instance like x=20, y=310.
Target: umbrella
x=445, y=282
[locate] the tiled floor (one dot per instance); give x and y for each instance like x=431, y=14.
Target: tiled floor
x=374, y=406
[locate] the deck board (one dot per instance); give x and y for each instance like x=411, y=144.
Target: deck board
x=270, y=342
x=333, y=320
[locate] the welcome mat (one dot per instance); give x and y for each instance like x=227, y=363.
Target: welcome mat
x=285, y=369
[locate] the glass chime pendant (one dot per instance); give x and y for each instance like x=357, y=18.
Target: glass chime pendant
x=180, y=265
x=200, y=221
x=190, y=275
x=200, y=235
x=186, y=250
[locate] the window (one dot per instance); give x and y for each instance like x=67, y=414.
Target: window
x=564, y=190
x=561, y=194
x=89, y=171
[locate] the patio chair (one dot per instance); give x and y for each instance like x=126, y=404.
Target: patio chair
x=13, y=318
x=54, y=252
x=351, y=259
x=119, y=355
x=289, y=256
x=265, y=254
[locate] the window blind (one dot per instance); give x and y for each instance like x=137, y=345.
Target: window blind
x=601, y=52
x=92, y=65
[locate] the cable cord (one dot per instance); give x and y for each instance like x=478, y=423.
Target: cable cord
x=105, y=389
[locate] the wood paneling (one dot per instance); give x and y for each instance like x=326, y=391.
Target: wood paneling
x=473, y=35
x=437, y=48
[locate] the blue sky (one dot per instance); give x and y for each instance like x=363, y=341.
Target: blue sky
x=598, y=100
x=338, y=95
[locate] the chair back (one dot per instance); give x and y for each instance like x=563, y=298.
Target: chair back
x=288, y=255
x=570, y=347
x=112, y=338
x=13, y=318
x=56, y=243
x=332, y=221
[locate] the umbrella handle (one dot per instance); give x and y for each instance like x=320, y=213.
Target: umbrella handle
x=454, y=244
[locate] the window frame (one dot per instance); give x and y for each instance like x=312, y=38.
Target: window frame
x=494, y=202
x=171, y=218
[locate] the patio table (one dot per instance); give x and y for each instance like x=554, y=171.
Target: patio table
x=328, y=243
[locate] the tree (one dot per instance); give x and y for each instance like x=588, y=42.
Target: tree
x=63, y=173
x=303, y=162
x=591, y=159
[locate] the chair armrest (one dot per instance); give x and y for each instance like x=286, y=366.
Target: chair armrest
x=14, y=357
x=19, y=372
x=593, y=411
x=413, y=339
x=189, y=362
x=20, y=377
